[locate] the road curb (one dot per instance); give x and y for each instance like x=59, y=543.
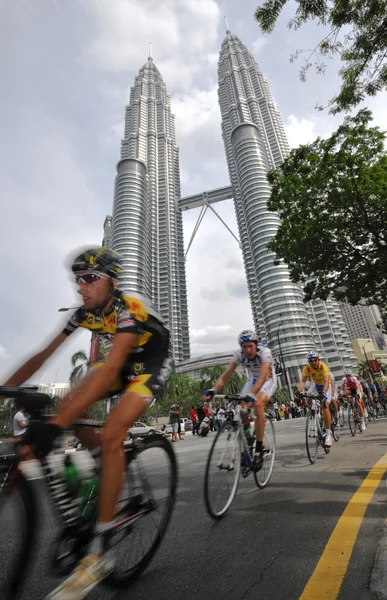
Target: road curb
x=378, y=584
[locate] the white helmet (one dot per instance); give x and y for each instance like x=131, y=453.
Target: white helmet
x=247, y=335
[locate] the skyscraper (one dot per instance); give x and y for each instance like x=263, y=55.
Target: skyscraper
x=146, y=222
x=362, y=321
x=255, y=141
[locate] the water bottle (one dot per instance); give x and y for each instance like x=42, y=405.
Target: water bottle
x=88, y=494
x=71, y=476
x=246, y=429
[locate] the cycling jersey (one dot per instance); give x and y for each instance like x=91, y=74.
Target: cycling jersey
x=351, y=382
x=253, y=366
x=148, y=364
x=316, y=374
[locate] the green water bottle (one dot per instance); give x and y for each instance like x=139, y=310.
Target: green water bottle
x=71, y=476
x=246, y=429
x=88, y=494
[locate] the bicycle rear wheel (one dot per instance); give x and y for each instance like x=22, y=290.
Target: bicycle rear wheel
x=18, y=528
x=222, y=471
x=263, y=476
x=351, y=421
x=311, y=436
x=146, y=501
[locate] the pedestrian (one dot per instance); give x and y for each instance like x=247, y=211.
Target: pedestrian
x=276, y=410
x=193, y=417
x=19, y=424
x=174, y=419
x=220, y=415
x=201, y=415
x=286, y=411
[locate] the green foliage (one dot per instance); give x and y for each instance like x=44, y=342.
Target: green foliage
x=363, y=369
x=357, y=32
x=331, y=197
x=78, y=369
x=181, y=389
x=280, y=395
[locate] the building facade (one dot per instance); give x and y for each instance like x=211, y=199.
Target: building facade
x=107, y=232
x=255, y=142
x=147, y=225
x=361, y=321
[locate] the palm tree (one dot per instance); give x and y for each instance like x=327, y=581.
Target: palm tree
x=363, y=369
x=78, y=369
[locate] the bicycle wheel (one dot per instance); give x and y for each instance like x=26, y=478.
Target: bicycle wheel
x=351, y=421
x=311, y=436
x=18, y=517
x=263, y=476
x=146, y=500
x=335, y=427
x=342, y=417
x=222, y=471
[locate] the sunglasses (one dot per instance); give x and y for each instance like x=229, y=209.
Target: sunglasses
x=90, y=277
x=313, y=360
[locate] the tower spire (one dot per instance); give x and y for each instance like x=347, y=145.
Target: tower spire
x=150, y=51
x=227, y=27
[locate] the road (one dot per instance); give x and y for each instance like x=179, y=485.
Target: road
x=269, y=543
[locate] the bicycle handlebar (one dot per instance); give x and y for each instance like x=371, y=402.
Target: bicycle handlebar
x=238, y=398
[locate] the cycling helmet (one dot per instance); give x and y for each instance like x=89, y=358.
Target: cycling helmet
x=247, y=336
x=313, y=356
x=97, y=259
x=348, y=372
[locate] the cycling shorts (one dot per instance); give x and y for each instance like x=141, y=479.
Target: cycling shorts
x=142, y=378
x=269, y=387
x=316, y=389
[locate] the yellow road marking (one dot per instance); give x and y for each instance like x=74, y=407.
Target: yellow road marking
x=332, y=566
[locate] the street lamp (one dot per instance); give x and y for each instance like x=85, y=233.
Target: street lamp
x=367, y=361
x=282, y=361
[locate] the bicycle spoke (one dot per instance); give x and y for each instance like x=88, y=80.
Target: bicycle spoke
x=222, y=471
x=311, y=436
x=263, y=476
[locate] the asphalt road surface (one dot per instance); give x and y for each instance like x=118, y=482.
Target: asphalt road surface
x=269, y=543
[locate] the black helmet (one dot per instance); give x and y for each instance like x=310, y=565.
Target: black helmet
x=97, y=259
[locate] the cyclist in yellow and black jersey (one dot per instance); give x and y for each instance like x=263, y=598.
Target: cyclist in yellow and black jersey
x=126, y=314
x=130, y=337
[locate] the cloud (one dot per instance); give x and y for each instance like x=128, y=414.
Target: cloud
x=259, y=44
x=183, y=35
x=3, y=353
x=237, y=289
x=213, y=338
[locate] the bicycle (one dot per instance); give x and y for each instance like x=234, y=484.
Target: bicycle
x=314, y=434
x=354, y=418
x=335, y=423
x=143, y=511
x=231, y=453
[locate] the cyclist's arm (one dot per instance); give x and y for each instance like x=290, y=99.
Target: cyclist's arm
x=301, y=385
x=99, y=381
x=223, y=379
x=263, y=374
x=35, y=362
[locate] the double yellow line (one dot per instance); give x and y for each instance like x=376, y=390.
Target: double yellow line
x=330, y=571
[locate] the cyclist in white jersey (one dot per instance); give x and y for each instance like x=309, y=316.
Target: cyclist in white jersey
x=260, y=385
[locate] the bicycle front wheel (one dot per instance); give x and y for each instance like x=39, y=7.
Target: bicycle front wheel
x=262, y=477
x=144, y=508
x=18, y=528
x=335, y=427
x=351, y=421
x=311, y=436
x=222, y=471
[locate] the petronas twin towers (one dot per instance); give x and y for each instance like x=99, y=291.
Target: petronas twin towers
x=147, y=222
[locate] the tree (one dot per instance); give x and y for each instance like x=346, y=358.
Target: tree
x=331, y=197
x=357, y=32
x=78, y=369
x=364, y=370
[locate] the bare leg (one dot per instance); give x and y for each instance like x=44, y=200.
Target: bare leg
x=130, y=407
x=327, y=416
x=262, y=400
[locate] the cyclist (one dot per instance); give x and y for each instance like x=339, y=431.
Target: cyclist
x=136, y=365
x=260, y=385
x=351, y=386
x=335, y=402
x=318, y=372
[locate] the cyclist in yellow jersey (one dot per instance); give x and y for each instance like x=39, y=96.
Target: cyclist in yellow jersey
x=136, y=364
x=318, y=372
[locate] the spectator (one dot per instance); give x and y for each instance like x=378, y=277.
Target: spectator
x=204, y=427
x=276, y=410
x=200, y=414
x=220, y=416
x=179, y=410
x=193, y=416
x=174, y=419
x=19, y=423
x=286, y=411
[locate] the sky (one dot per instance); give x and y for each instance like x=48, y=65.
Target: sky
x=66, y=71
